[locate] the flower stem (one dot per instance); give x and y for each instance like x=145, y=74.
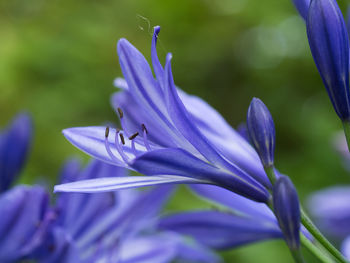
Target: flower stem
x=269, y=170
x=346, y=127
x=309, y=225
x=298, y=258
x=314, y=250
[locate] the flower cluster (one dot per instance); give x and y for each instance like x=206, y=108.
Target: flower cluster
x=177, y=138
x=105, y=227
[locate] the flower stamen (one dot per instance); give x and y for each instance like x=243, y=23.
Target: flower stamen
x=119, y=146
x=145, y=140
x=131, y=138
x=109, y=151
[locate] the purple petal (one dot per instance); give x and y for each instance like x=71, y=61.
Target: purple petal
x=14, y=147
x=22, y=212
x=239, y=204
x=157, y=66
x=331, y=210
x=91, y=140
x=220, y=230
x=154, y=249
x=181, y=163
x=225, y=139
x=345, y=248
x=117, y=183
x=126, y=220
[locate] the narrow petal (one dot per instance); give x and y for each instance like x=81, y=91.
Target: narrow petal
x=223, y=137
x=157, y=66
x=22, y=212
x=345, y=248
x=239, y=205
x=153, y=249
x=181, y=163
x=117, y=183
x=329, y=44
x=220, y=230
x=91, y=140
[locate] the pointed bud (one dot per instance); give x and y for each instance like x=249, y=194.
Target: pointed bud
x=287, y=211
x=329, y=44
x=261, y=131
x=15, y=142
x=303, y=7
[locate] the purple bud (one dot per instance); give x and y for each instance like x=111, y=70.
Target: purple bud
x=303, y=7
x=261, y=131
x=287, y=211
x=329, y=44
x=15, y=142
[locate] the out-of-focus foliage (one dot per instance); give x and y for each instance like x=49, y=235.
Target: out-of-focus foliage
x=58, y=61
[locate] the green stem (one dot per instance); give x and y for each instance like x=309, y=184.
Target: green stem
x=346, y=127
x=314, y=250
x=297, y=256
x=269, y=170
x=309, y=225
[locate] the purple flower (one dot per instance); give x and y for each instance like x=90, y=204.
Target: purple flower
x=329, y=44
x=261, y=131
x=287, y=211
x=303, y=7
x=331, y=210
x=14, y=146
x=118, y=226
x=175, y=137
x=23, y=222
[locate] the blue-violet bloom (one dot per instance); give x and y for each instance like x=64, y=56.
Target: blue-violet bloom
x=23, y=223
x=118, y=227
x=329, y=44
x=172, y=136
x=15, y=142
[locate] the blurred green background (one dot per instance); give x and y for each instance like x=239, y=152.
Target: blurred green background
x=58, y=61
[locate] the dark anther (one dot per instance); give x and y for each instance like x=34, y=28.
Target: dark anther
x=120, y=112
x=144, y=128
x=122, y=138
x=133, y=136
x=107, y=132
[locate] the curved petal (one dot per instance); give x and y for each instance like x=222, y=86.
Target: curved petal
x=117, y=183
x=240, y=205
x=181, y=163
x=224, y=138
x=91, y=140
x=153, y=249
x=220, y=230
x=22, y=212
x=345, y=248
